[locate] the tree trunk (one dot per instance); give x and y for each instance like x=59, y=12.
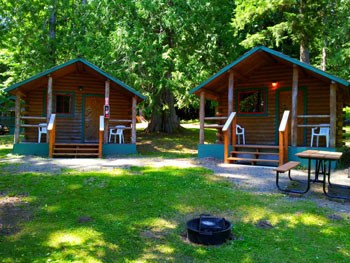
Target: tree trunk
x=164, y=118
x=304, y=51
x=304, y=40
x=52, y=34
x=324, y=59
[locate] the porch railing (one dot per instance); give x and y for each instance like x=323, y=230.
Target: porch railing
x=100, y=136
x=51, y=129
x=283, y=138
x=230, y=125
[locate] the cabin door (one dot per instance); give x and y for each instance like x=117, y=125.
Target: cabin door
x=285, y=103
x=93, y=109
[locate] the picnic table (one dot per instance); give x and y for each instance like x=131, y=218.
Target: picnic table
x=323, y=163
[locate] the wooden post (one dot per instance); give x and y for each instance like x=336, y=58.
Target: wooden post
x=201, y=117
x=49, y=103
x=333, y=114
x=294, y=128
x=106, y=126
x=18, y=117
x=133, y=123
x=230, y=102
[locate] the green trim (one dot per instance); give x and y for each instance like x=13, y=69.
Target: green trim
x=83, y=112
x=119, y=149
x=264, y=114
x=212, y=150
x=62, y=115
x=304, y=89
x=87, y=63
x=72, y=115
x=277, y=54
x=39, y=149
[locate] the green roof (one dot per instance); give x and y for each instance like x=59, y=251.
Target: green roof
x=70, y=62
x=279, y=55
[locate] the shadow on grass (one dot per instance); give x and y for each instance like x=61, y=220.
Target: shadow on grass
x=182, y=144
x=139, y=214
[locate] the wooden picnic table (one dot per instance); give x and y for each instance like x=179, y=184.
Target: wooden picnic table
x=323, y=163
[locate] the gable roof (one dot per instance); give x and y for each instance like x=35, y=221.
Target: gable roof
x=68, y=63
x=278, y=55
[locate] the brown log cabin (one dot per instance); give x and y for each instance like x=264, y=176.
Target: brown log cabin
x=257, y=90
x=70, y=99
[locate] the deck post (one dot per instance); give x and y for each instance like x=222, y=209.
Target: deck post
x=18, y=117
x=294, y=128
x=133, y=120
x=230, y=103
x=333, y=114
x=106, y=128
x=201, y=117
x=49, y=103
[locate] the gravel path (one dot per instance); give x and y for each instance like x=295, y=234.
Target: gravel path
x=249, y=178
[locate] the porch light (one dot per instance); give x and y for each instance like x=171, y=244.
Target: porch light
x=80, y=88
x=274, y=84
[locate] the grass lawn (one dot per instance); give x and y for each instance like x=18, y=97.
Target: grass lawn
x=139, y=215
x=178, y=145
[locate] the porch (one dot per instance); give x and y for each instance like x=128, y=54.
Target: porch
x=259, y=88
x=49, y=146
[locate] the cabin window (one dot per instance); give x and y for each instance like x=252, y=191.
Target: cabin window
x=252, y=102
x=63, y=103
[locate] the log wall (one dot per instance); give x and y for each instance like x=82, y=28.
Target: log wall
x=70, y=128
x=262, y=129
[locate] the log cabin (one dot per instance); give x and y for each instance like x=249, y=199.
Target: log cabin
x=279, y=101
x=79, y=105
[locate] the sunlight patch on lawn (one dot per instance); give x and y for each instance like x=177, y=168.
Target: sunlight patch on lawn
x=76, y=237
x=160, y=223
x=157, y=253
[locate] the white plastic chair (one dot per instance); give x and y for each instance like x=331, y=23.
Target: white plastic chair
x=240, y=132
x=323, y=130
x=42, y=129
x=117, y=131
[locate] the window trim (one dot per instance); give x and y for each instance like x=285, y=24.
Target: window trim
x=70, y=96
x=252, y=114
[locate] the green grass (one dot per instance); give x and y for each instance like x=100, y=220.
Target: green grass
x=6, y=144
x=178, y=145
x=139, y=215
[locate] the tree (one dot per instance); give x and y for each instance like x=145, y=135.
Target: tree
x=280, y=23
x=167, y=47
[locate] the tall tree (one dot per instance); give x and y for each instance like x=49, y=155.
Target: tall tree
x=279, y=23
x=168, y=46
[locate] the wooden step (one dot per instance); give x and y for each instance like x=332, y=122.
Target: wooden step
x=75, y=154
x=250, y=146
x=252, y=160
x=75, y=149
x=256, y=153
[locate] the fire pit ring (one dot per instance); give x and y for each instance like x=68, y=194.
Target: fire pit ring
x=208, y=230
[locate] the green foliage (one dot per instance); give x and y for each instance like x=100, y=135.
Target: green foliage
x=288, y=24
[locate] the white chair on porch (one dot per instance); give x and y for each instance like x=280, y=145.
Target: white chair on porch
x=117, y=131
x=239, y=133
x=42, y=129
x=322, y=130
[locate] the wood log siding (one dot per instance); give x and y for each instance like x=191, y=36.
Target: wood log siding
x=69, y=129
x=316, y=91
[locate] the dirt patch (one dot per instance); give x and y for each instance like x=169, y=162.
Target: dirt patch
x=13, y=211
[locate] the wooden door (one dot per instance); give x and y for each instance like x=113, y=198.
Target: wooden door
x=285, y=103
x=93, y=110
